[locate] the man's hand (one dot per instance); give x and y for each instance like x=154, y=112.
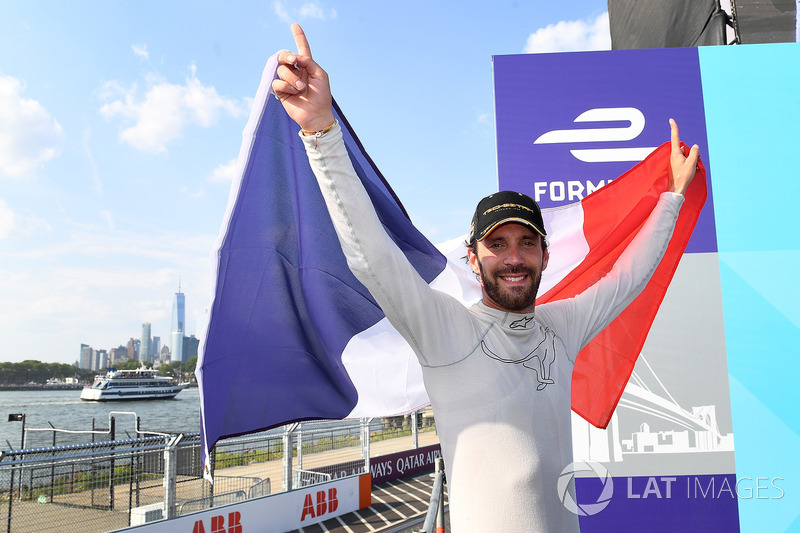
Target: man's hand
x=682, y=167
x=303, y=87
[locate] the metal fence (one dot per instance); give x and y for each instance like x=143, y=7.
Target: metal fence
x=105, y=486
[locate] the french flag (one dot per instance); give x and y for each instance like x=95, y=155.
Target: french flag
x=292, y=335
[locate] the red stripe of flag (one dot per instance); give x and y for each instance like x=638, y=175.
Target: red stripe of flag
x=612, y=217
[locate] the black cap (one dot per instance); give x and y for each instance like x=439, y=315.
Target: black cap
x=502, y=207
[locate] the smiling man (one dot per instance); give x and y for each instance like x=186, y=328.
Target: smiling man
x=509, y=231
x=498, y=373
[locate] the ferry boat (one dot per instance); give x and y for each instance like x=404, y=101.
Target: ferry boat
x=140, y=384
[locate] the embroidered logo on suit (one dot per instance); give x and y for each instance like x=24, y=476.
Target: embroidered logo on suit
x=522, y=323
x=540, y=360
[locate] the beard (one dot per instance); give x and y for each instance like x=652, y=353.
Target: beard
x=511, y=298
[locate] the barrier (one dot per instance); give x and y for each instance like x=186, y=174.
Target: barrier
x=104, y=486
x=275, y=514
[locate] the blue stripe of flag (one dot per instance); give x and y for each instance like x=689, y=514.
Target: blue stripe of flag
x=285, y=303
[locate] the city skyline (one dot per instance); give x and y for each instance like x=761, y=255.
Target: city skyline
x=148, y=347
x=120, y=128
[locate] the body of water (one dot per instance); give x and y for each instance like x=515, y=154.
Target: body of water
x=65, y=410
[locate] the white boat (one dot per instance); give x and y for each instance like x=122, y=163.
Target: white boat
x=141, y=384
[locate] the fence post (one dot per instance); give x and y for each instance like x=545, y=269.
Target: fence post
x=138, y=465
x=213, y=466
x=53, y=466
x=92, y=469
x=440, y=514
x=112, y=473
x=288, y=455
x=414, y=430
x=299, y=445
x=436, y=508
x=170, y=475
x=365, y=442
x=10, y=493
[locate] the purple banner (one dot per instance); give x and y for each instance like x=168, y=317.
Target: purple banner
x=568, y=123
x=388, y=467
x=666, y=504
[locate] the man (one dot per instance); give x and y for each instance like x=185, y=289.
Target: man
x=499, y=373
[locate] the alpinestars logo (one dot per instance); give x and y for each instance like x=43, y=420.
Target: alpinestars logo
x=633, y=116
x=522, y=323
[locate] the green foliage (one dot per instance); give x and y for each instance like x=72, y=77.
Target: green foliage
x=34, y=371
x=225, y=459
x=174, y=368
x=178, y=368
x=83, y=481
x=130, y=364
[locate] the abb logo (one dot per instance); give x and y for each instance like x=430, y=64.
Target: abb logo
x=324, y=504
x=218, y=524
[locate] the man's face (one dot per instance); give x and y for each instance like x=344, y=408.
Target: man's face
x=510, y=261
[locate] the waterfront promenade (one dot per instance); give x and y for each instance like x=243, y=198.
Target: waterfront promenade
x=74, y=511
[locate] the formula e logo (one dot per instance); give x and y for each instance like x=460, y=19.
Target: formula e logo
x=567, y=496
x=633, y=116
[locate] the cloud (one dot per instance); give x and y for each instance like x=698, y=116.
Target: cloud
x=308, y=10
x=107, y=216
x=165, y=110
x=29, y=136
x=13, y=224
x=192, y=193
x=7, y=220
x=571, y=36
x=72, y=290
x=87, y=150
x=224, y=172
x=280, y=10
x=95, y=243
x=140, y=50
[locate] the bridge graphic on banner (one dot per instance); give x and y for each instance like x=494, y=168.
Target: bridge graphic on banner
x=649, y=421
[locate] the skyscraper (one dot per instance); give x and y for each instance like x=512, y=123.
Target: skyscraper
x=178, y=325
x=131, y=349
x=101, y=357
x=155, y=347
x=144, y=347
x=85, y=361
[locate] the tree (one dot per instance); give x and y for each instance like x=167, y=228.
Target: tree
x=130, y=364
x=33, y=371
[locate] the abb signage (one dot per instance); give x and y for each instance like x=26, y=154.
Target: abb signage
x=218, y=524
x=320, y=505
x=286, y=511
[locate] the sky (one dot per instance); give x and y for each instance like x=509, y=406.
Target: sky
x=120, y=124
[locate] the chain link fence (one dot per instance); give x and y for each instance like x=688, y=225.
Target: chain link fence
x=105, y=486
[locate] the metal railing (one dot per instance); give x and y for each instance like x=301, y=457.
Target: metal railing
x=105, y=486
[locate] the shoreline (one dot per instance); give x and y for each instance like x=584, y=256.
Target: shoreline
x=50, y=388
x=41, y=387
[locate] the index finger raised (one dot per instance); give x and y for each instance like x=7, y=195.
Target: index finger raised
x=300, y=40
x=675, y=140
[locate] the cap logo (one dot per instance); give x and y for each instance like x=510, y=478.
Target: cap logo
x=506, y=206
